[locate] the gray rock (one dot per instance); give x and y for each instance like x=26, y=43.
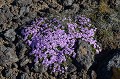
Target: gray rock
x=27, y=9
x=13, y=76
x=9, y=1
x=10, y=34
x=104, y=62
x=14, y=10
x=115, y=61
x=32, y=15
x=20, y=49
x=2, y=18
x=24, y=2
x=7, y=55
x=2, y=2
x=73, y=76
x=68, y=2
x=27, y=69
x=9, y=15
x=85, y=54
x=22, y=10
x=25, y=19
x=117, y=4
x=24, y=76
x=71, y=68
x=75, y=8
x=14, y=65
x=24, y=61
x=7, y=72
x=36, y=0
x=39, y=68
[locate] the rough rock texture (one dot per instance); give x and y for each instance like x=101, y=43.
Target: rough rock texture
x=7, y=55
x=2, y=2
x=115, y=61
x=10, y=34
x=104, y=64
x=15, y=61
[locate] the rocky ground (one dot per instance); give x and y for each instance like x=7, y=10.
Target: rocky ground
x=15, y=61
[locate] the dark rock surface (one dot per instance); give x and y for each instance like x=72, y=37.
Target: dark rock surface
x=7, y=55
x=39, y=68
x=23, y=76
x=7, y=72
x=10, y=34
x=104, y=63
x=115, y=61
x=68, y=2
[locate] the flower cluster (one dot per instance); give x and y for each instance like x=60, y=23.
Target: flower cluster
x=52, y=42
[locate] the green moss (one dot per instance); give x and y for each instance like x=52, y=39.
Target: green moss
x=104, y=33
x=104, y=7
x=93, y=49
x=30, y=36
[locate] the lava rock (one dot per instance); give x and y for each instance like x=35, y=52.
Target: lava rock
x=7, y=72
x=39, y=68
x=20, y=49
x=14, y=65
x=7, y=55
x=13, y=77
x=25, y=19
x=35, y=0
x=75, y=8
x=84, y=54
x=27, y=69
x=115, y=61
x=9, y=1
x=32, y=15
x=24, y=2
x=72, y=10
x=117, y=4
x=52, y=5
x=71, y=68
x=2, y=18
x=8, y=15
x=104, y=62
x=24, y=61
x=68, y=2
x=73, y=76
x=22, y=10
x=23, y=76
x=14, y=10
x=10, y=34
x=2, y=2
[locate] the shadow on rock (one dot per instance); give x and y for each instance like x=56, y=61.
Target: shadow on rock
x=103, y=64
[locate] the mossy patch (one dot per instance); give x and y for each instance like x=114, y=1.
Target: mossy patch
x=104, y=7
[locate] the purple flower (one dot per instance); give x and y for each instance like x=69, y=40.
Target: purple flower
x=51, y=41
